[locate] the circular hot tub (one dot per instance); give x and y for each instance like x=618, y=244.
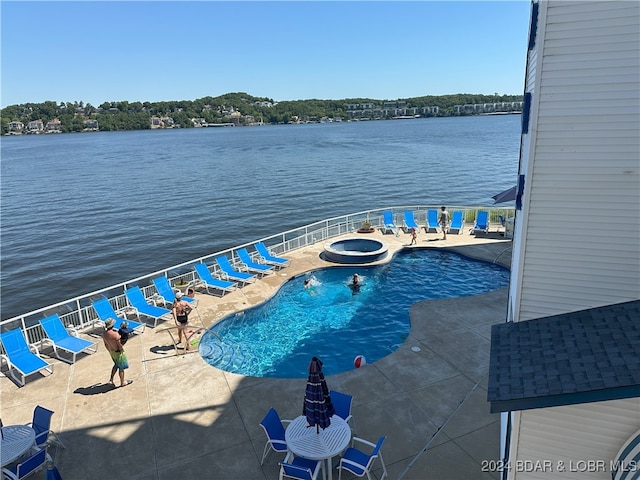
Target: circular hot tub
x=355, y=250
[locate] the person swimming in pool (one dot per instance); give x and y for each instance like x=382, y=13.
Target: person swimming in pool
x=310, y=284
x=355, y=283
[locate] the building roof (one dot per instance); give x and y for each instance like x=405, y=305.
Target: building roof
x=578, y=357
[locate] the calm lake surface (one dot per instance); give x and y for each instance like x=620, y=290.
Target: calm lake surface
x=80, y=212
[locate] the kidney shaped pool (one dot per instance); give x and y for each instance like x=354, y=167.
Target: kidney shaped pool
x=336, y=322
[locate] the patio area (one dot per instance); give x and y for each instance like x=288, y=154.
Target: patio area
x=181, y=418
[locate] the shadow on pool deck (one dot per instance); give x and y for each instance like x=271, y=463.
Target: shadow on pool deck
x=183, y=419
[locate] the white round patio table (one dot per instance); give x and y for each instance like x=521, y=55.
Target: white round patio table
x=16, y=441
x=304, y=441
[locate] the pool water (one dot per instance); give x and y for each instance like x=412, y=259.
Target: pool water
x=331, y=321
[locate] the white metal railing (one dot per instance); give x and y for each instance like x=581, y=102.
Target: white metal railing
x=78, y=311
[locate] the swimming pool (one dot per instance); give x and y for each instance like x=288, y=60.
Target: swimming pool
x=279, y=337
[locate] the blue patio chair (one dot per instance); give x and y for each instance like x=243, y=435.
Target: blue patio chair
x=41, y=424
x=432, y=221
x=274, y=429
x=299, y=468
x=409, y=221
x=482, y=222
x=358, y=462
x=36, y=461
x=457, y=223
x=268, y=258
x=230, y=273
x=60, y=339
x=388, y=223
x=252, y=266
x=167, y=295
x=209, y=281
x=20, y=358
x=342, y=404
x=104, y=310
x=139, y=303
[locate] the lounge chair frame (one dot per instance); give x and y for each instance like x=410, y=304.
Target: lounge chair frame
x=104, y=310
x=482, y=222
x=138, y=302
x=251, y=266
x=59, y=338
x=166, y=294
x=388, y=223
x=229, y=272
x=457, y=223
x=209, y=282
x=19, y=354
x=409, y=221
x=431, y=222
x=267, y=257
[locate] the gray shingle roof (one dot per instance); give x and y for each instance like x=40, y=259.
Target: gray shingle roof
x=577, y=357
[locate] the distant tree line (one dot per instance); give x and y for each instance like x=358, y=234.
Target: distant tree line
x=126, y=115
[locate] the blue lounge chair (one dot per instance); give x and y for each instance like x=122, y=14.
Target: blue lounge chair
x=457, y=223
x=209, y=281
x=252, y=266
x=166, y=294
x=105, y=311
x=139, y=303
x=230, y=273
x=20, y=358
x=388, y=222
x=263, y=251
x=60, y=339
x=409, y=221
x=432, y=221
x=482, y=222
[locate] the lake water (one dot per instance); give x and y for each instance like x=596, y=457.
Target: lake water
x=80, y=212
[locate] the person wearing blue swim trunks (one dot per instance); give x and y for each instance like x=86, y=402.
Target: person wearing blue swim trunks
x=112, y=343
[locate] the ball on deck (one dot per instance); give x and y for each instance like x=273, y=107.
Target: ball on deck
x=359, y=361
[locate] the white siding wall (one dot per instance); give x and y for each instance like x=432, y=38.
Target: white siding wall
x=577, y=237
x=574, y=435
x=579, y=232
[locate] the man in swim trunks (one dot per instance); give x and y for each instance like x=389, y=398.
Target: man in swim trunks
x=112, y=343
x=443, y=220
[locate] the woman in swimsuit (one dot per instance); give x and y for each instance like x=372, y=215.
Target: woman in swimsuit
x=181, y=310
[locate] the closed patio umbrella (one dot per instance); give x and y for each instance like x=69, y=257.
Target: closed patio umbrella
x=317, y=403
x=506, y=196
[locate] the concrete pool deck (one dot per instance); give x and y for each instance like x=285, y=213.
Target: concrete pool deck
x=182, y=418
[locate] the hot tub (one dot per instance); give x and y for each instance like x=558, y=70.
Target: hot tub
x=355, y=250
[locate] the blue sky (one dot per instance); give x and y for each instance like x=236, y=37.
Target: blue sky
x=160, y=50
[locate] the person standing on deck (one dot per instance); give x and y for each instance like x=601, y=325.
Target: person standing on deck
x=443, y=220
x=112, y=343
x=181, y=311
x=414, y=236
